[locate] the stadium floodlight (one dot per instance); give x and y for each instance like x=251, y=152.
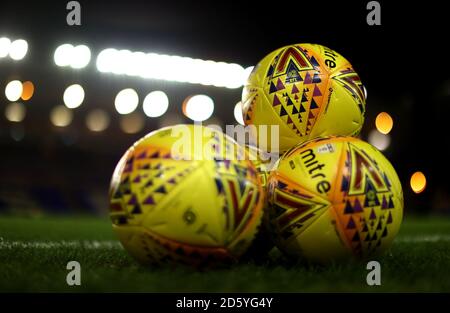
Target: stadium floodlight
x=74, y=56
x=73, y=96
x=155, y=104
x=122, y=63
x=13, y=90
x=105, y=60
x=63, y=54
x=81, y=56
x=171, y=68
x=135, y=61
x=126, y=101
x=198, y=108
x=18, y=49
x=5, y=44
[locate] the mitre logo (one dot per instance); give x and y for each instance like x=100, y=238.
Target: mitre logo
x=314, y=169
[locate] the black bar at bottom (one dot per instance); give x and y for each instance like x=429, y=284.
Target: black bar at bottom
x=224, y=302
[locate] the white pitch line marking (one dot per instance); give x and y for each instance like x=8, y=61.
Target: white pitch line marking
x=424, y=238
x=86, y=244
x=111, y=244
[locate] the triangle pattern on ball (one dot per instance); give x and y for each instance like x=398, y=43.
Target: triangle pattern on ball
x=351, y=223
x=316, y=78
x=272, y=88
x=275, y=101
x=280, y=85
x=308, y=79
x=302, y=108
x=289, y=101
x=270, y=71
x=316, y=92
x=304, y=97
x=314, y=62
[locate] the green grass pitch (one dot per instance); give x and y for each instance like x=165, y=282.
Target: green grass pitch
x=34, y=253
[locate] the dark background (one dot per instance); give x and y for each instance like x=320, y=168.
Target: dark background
x=403, y=63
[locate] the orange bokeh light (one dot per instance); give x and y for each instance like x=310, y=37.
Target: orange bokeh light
x=418, y=182
x=27, y=90
x=384, y=123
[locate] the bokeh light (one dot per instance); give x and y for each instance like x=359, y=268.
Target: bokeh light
x=418, y=182
x=384, y=123
x=13, y=90
x=27, y=90
x=379, y=140
x=170, y=119
x=122, y=65
x=73, y=96
x=61, y=116
x=135, y=60
x=198, y=108
x=15, y=112
x=74, y=56
x=97, y=120
x=105, y=60
x=155, y=104
x=5, y=43
x=81, y=56
x=63, y=54
x=18, y=49
x=171, y=68
x=132, y=123
x=126, y=101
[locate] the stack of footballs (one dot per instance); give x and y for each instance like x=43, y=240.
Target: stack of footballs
x=188, y=194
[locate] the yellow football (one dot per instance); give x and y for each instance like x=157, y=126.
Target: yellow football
x=333, y=198
x=308, y=91
x=186, y=194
